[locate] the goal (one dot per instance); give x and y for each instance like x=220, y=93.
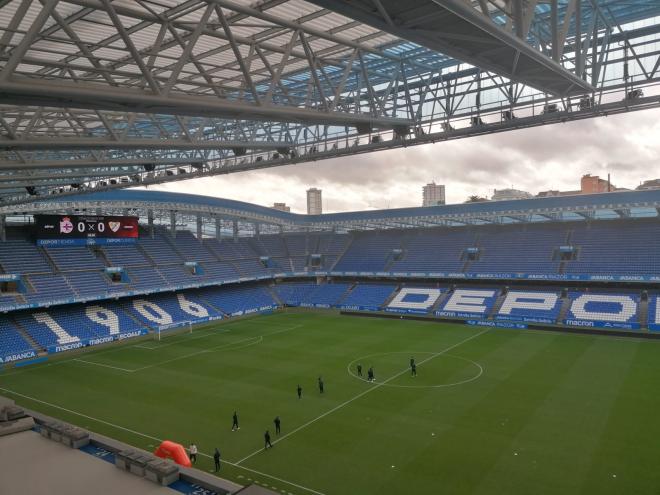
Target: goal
x=163, y=331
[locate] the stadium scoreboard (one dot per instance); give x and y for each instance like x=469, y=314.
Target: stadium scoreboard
x=77, y=230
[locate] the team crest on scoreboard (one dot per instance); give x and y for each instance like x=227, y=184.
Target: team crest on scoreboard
x=66, y=227
x=114, y=226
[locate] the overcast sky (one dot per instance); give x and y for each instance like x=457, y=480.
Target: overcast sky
x=537, y=159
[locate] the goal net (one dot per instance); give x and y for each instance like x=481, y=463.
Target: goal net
x=164, y=331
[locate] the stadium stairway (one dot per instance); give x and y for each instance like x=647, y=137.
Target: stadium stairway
x=643, y=312
x=210, y=304
x=134, y=318
x=167, y=236
x=440, y=302
x=347, y=293
x=565, y=306
x=390, y=260
x=144, y=253
x=340, y=256
x=54, y=268
x=387, y=301
x=26, y=335
x=497, y=305
x=275, y=295
x=101, y=255
x=562, y=264
x=467, y=262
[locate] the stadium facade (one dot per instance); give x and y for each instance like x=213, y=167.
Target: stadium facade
x=582, y=261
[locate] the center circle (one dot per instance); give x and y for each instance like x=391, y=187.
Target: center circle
x=456, y=369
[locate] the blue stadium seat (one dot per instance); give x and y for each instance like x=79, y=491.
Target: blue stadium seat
x=436, y=250
x=294, y=294
x=368, y=296
x=22, y=256
x=370, y=252
x=515, y=249
x=167, y=309
x=48, y=288
x=311, y=294
x=11, y=340
x=612, y=247
x=530, y=306
x=234, y=300
x=191, y=248
x=125, y=255
x=604, y=309
x=159, y=249
x=469, y=302
x=69, y=258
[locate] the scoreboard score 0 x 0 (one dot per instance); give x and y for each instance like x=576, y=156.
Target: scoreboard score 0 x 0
x=75, y=230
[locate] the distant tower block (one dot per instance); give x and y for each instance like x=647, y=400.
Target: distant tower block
x=433, y=194
x=314, y=201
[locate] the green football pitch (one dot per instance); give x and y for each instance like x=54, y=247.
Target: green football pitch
x=491, y=411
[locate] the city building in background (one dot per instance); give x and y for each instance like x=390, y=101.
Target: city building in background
x=433, y=194
x=282, y=207
x=508, y=194
x=554, y=192
x=314, y=201
x=592, y=184
x=647, y=185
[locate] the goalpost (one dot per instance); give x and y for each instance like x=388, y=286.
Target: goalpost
x=163, y=331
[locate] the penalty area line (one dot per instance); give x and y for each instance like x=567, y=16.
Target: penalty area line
x=103, y=365
x=150, y=437
x=361, y=394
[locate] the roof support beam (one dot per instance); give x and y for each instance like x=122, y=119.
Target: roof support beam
x=135, y=144
x=27, y=91
x=437, y=24
x=115, y=163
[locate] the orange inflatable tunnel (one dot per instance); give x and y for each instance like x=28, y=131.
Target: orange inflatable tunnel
x=174, y=451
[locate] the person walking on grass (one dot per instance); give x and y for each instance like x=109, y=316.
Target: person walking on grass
x=299, y=392
x=277, y=425
x=359, y=369
x=216, y=459
x=234, y=425
x=193, y=453
x=267, y=443
x=321, y=385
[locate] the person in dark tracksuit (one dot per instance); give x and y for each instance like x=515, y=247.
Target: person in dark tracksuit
x=234, y=425
x=359, y=369
x=216, y=459
x=299, y=392
x=370, y=374
x=267, y=440
x=413, y=369
x=277, y=425
x=321, y=387
x=412, y=361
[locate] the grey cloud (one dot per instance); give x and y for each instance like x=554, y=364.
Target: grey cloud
x=551, y=157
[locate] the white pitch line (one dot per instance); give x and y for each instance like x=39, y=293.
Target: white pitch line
x=204, y=351
x=150, y=437
x=64, y=361
x=116, y=348
x=104, y=365
x=181, y=341
x=211, y=349
x=259, y=339
x=361, y=394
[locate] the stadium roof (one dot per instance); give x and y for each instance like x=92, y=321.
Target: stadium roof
x=628, y=204
x=155, y=91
